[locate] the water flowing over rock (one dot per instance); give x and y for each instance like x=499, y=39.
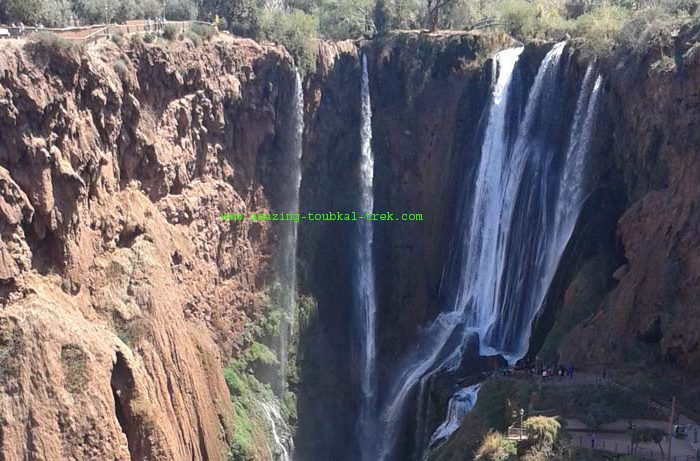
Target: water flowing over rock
x=287, y=250
x=280, y=433
x=364, y=289
x=459, y=405
x=520, y=212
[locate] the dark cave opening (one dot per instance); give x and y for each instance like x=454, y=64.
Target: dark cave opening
x=122, y=383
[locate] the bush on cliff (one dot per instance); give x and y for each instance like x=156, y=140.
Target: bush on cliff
x=599, y=28
x=53, y=45
x=295, y=30
x=205, y=32
x=542, y=431
x=495, y=447
x=170, y=32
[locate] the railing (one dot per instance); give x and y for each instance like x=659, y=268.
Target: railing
x=95, y=32
x=487, y=22
x=620, y=448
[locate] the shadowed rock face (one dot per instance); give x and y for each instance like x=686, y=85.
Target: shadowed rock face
x=122, y=291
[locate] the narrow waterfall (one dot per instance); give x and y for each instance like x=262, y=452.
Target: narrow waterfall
x=518, y=216
x=459, y=405
x=278, y=427
x=365, y=301
x=286, y=264
x=288, y=246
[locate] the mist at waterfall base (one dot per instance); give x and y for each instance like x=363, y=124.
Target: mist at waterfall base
x=519, y=210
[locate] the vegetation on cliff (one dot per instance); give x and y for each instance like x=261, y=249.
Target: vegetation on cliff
x=600, y=25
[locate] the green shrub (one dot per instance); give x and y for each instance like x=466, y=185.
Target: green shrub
x=519, y=16
x=600, y=28
x=170, y=32
x=340, y=19
x=73, y=362
x=194, y=38
x=118, y=39
x=121, y=69
x=495, y=447
x=650, y=28
x=258, y=352
x=295, y=30
x=205, y=32
x=543, y=431
x=149, y=37
x=53, y=44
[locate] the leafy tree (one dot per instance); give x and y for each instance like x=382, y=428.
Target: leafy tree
x=434, y=9
x=382, y=16
x=542, y=430
x=519, y=16
x=647, y=435
x=296, y=30
x=600, y=28
x=406, y=14
x=52, y=13
x=150, y=8
x=244, y=16
x=339, y=19
x=180, y=10
x=495, y=447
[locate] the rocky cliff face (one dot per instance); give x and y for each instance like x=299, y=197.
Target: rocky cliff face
x=122, y=291
x=648, y=309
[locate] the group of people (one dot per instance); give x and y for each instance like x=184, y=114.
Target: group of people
x=155, y=24
x=553, y=371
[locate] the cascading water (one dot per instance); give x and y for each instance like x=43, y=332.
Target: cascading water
x=434, y=338
x=277, y=427
x=459, y=405
x=286, y=264
x=365, y=301
x=288, y=248
x=526, y=197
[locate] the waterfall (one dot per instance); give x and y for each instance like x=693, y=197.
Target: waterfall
x=435, y=336
x=459, y=405
x=285, y=265
x=274, y=418
x=365, y=301
x=288, y=246
x=518, y=216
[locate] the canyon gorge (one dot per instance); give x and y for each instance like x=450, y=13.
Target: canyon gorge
x=561, y=223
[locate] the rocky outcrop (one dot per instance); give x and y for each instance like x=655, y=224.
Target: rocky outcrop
x=122, y=290
x=648, y=316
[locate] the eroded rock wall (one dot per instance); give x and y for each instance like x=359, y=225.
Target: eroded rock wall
x=648, y=314
x=123, y=293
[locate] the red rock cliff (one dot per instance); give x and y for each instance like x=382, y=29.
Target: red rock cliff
x=122, y=290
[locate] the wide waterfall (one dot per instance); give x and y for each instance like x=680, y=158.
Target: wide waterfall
x=365, y=301
x=518, y=215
